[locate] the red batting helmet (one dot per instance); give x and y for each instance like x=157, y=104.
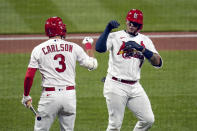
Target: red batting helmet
x=136, y=16
x=54, y=26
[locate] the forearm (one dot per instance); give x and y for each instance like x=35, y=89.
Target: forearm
x=89, y=49
x=155, y=60
x=101, y=42
x=90, y=53
x=29, y=80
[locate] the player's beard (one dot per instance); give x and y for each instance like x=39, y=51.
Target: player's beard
x=132, y=30
x=133, y=33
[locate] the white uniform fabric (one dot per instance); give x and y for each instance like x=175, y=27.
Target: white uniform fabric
x=120, y=95
x=56, y=61
x=118, y=66
x=60, y=103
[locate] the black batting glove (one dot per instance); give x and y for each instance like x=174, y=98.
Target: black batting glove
x=112, y=25
x=132, y=44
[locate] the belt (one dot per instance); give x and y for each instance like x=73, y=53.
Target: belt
x=124, y=81
x=53, y=88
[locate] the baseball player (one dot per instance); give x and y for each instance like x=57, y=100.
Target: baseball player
x=127, y=52
x=56, y=61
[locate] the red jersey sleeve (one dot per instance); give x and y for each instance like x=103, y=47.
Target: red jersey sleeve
x=29, y=77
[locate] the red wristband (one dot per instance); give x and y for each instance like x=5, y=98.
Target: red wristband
x=88, y=46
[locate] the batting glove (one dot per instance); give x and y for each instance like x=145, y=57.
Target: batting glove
x=26, y=101
x=88, y=41
x=133, y=45
x=93, y=65
x=112, y=25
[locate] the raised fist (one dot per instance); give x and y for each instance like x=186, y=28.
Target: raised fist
x=87, y=40
x=113, y=24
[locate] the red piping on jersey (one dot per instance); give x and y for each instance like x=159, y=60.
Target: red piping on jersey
x=29, y=77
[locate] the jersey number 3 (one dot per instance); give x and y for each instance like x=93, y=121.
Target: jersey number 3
x=61, y=62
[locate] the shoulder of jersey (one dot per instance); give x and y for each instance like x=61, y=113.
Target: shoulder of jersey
x=63, y=41
x=143, y=36
x=117, y=33
x=45, y=43
x=72, y=43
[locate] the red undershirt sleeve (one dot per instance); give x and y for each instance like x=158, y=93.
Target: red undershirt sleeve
x=29, y=77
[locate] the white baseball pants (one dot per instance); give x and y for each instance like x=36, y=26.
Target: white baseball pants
x=118, y=96
x=61, y=103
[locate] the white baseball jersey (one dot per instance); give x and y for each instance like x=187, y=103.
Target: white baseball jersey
x=118, y=62
x=56, y=60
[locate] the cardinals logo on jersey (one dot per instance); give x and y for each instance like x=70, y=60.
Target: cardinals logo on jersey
x=131, y=53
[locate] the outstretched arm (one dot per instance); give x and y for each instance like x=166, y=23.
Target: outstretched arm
x=90, y=63
x=101, y=42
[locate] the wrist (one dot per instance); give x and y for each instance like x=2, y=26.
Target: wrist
x=108, y=28
x=24, y=95
x=88, y=46
x=141, y=48
x=147, y=53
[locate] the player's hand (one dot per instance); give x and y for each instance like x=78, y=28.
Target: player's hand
x=93, y=64
x=26, y=101
x=112, y=25
x=133, y=45
x=88, y=41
